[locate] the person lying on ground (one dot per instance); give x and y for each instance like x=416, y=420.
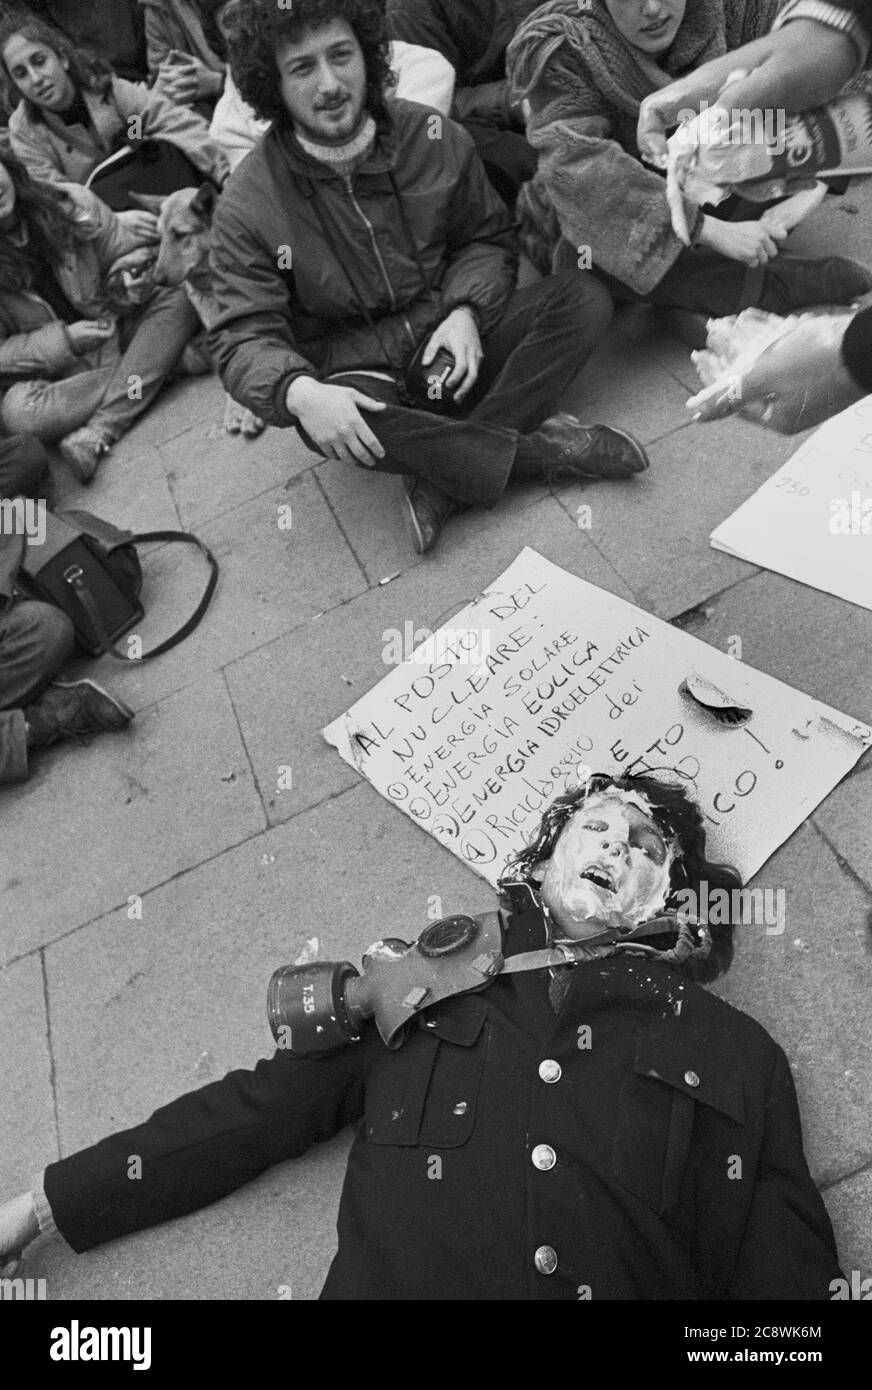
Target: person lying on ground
x=473, y=35
x=74, y=112
x=349, y=241
x=587, y=1109
x=36, y=640
x=584, y=75
x=80, y=359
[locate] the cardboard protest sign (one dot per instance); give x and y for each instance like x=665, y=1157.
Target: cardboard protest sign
x=813, y=519
x=545, y=677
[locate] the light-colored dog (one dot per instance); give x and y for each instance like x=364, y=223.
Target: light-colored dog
x=185, y=228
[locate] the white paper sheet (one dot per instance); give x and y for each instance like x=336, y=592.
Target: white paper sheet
x=812, y=520
x=545, y=676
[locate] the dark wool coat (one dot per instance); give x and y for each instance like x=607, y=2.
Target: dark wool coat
x=585, y=84
x=299, y=255
x=642, y=1143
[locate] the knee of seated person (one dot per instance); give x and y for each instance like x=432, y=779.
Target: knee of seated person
x=50, y=630
x=582, y=291
x=17, y=413
x=25, y=465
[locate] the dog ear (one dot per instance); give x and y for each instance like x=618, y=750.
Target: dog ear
x=149, y=202
x=205, y=199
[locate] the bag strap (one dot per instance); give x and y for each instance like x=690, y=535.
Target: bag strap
x=86, y=598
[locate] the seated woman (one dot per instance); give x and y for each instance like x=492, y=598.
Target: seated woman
x=70, y=369
x=584, y=73
x=74, y=112
x=186, y=54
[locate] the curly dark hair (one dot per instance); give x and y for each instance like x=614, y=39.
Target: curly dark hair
x=679, y=818
x=89, y=73
x=43, y=212
x=257, y=27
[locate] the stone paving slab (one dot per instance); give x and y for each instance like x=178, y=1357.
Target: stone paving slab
x=272, y=1240
x=811, y=640
x=656, y=531
x=180, y=996
x=625, y=385
x=87, y=832
x=211, y=472
x=181, y=405
x=285, y=693
x=810, y=988
x=131, y=492
x=271, y=582
x=845, y=818
x=850, y=1208
x=25, y=1076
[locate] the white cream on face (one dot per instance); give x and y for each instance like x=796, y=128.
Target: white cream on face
x=610, y=857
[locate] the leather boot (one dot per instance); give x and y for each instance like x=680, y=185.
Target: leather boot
x=574, y=450
x=74, y=710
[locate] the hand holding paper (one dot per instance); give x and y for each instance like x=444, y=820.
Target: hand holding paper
x=785, y=373
x=763, y=155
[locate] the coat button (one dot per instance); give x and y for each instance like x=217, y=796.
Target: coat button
x=691, y=1078
x=545, y=1259
x=544, y=1157
x=550, y=1070
x=460, y=1108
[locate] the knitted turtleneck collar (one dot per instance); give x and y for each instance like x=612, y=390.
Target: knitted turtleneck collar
x=341, y=156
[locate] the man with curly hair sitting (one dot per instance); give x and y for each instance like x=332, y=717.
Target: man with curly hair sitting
x=362, y=232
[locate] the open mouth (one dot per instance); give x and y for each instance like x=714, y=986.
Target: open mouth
x=600, y=877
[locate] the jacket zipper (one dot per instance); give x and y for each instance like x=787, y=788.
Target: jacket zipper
x=349, y=188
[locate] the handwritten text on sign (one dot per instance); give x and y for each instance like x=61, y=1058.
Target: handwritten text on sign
x=575, y=679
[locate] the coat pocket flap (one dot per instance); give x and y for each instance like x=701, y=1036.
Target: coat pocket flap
x=690, y=1071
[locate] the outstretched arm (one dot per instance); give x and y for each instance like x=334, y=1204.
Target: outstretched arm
x=193, y=1151
x=801, y=65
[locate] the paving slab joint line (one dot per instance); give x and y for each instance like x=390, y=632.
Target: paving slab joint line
x=245, y=747
x=52, y=1069
x=847, y=868
x=588, y=536
x=235, y=506
x=846, y=1177
x=342, y=531
x=190, y=869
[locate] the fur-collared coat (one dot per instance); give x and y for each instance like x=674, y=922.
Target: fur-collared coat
x=585, y=84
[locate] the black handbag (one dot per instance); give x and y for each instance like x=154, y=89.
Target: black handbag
x=147, y=166
x=90, y=570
